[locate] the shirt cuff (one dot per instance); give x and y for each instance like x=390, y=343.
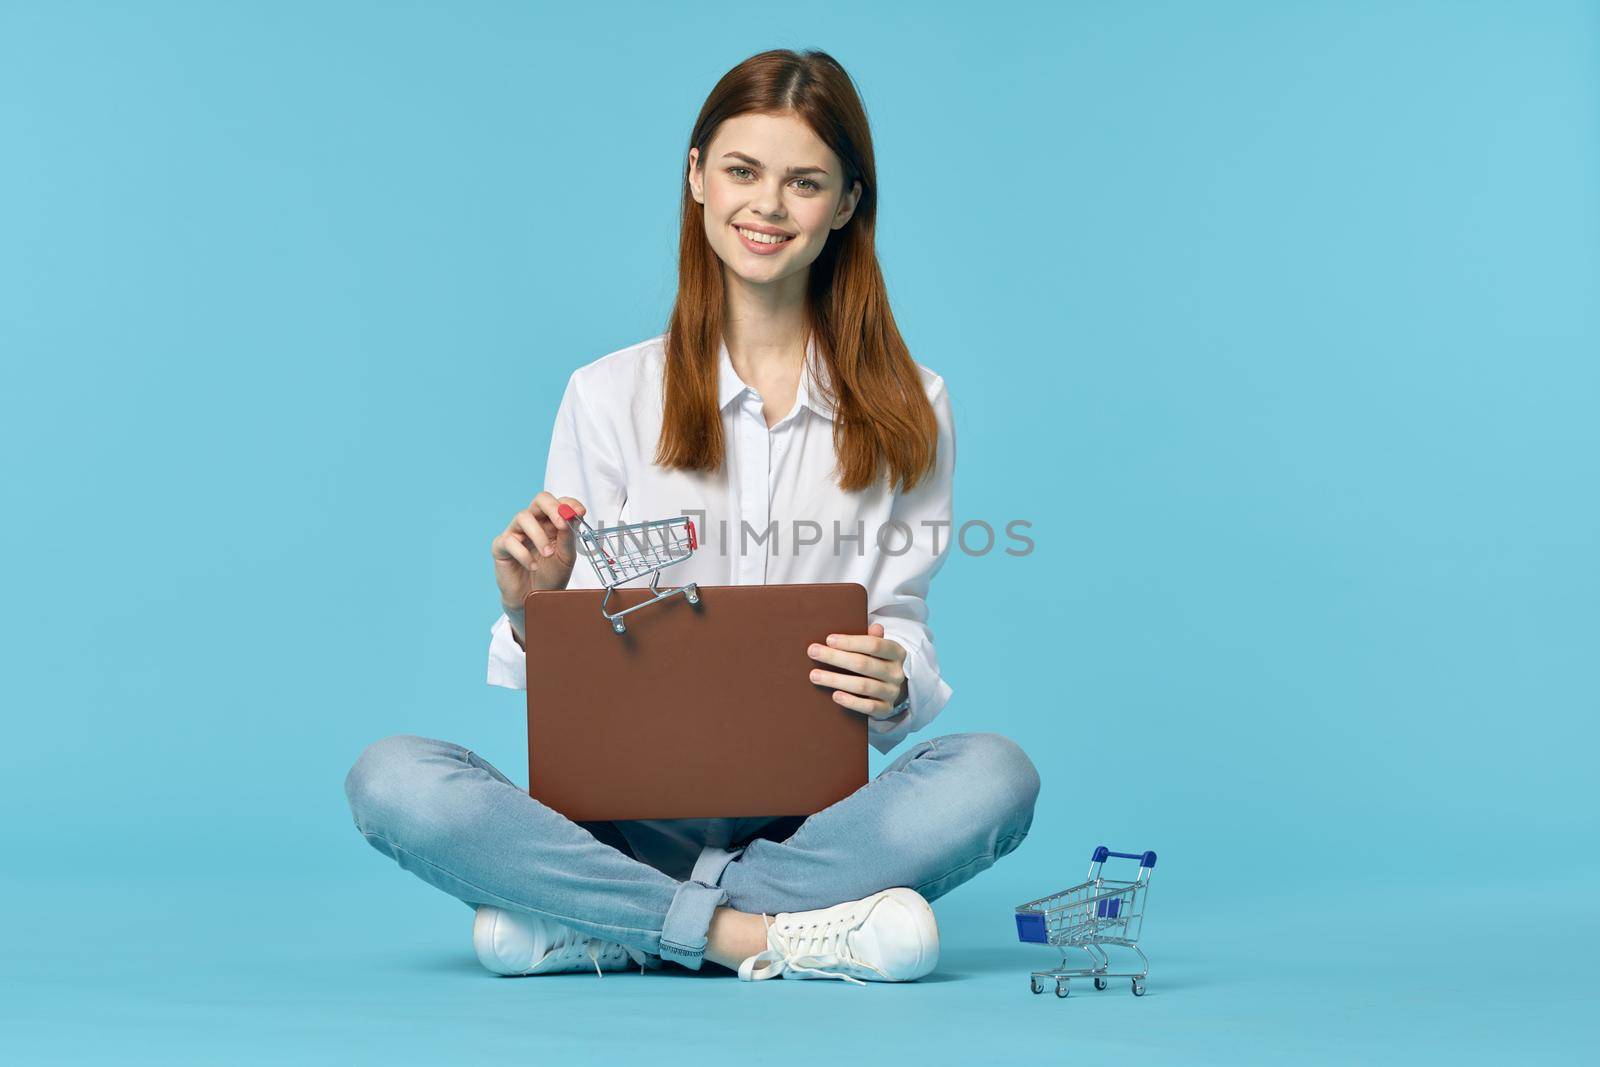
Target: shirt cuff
x=928, y=692
x=508, y=663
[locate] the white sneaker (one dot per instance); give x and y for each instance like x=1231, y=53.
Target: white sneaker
x=514, y=942
x=887, y=937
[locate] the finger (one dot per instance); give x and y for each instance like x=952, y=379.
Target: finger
x=574, y=503
x=887, y=669
x=536, y=530
x=872, y=709
x=512, y=548
x=871, y=644
x=533, y=527
x=547, y=505
x=854, y=683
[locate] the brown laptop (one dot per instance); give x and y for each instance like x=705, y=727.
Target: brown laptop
x=698, y=710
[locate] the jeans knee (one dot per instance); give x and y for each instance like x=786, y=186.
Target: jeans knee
x=1007, y=776
x=381, y=779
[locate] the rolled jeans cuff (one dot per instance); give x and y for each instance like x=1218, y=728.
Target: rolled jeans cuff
x=683, y=934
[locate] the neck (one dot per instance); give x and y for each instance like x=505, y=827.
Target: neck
x=765, y=326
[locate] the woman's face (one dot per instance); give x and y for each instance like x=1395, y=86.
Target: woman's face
x=773, y=178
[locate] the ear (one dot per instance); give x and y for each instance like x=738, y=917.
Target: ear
x=847, y=205
x=696, y=188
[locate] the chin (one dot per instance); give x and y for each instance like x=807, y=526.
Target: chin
x=757, y=279
x=754, y=272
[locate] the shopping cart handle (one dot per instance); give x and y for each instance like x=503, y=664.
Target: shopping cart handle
x=566, y=512
x=1146, y=859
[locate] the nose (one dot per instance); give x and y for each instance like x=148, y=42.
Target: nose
x=768, y=200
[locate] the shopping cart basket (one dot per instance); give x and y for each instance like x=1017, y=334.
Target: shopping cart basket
x=1088, y=917
x=620, y=554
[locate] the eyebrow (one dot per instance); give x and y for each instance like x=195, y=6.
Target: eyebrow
x=753, y=161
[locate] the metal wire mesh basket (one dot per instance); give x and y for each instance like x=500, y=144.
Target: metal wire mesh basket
x=622, y=554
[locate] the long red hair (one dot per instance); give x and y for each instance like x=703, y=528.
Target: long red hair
x=883, y=422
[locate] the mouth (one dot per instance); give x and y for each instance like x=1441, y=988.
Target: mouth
x=762, y=244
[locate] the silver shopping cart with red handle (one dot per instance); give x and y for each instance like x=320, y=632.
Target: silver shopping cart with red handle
x=622, y=554
x=1088, y=917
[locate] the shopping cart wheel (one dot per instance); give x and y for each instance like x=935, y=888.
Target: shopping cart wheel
x=692, y=595
x=1036, y=985
x=1061, y=987
x=1100, y=983
x=619, y=626
x=1138, y=987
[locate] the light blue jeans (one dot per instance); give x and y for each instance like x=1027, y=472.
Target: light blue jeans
x=946, y=809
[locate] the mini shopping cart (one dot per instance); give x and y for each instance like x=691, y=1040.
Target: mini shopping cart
x=1088, y=917
x=621, y=554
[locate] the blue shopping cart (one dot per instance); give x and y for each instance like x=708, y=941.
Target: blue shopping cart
x=1088, y=917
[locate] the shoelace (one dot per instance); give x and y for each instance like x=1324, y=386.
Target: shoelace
x=595, y=951
x=811, y=948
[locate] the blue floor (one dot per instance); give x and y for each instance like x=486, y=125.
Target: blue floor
x=379, y=968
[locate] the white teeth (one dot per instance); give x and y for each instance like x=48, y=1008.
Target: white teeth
x=762, y=238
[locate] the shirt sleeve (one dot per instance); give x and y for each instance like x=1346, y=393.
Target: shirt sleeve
x=584, y=462
x=898, y=594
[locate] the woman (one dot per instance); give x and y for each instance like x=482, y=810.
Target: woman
x=782, y=406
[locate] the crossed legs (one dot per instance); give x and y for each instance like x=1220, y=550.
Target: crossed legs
x=944, y=810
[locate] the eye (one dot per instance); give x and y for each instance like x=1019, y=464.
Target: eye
x=731, y=170
x=808, y=181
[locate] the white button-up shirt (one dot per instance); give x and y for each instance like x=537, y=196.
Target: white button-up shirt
x=772, y=514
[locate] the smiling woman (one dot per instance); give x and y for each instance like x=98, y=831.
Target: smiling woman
x=781, y=393
x=789, y=220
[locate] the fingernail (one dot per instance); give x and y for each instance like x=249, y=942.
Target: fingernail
x=547, y=550
x=833, y=639
x=816, y=676
x=814, y=649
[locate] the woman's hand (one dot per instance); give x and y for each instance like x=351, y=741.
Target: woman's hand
x=535, y=551
x=873, y=656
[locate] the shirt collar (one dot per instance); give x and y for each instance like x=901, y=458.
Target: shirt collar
x=730, y=386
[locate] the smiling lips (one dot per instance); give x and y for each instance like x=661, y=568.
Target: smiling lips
x=762, y=244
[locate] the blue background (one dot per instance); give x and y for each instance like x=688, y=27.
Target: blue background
x=1278, y=322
